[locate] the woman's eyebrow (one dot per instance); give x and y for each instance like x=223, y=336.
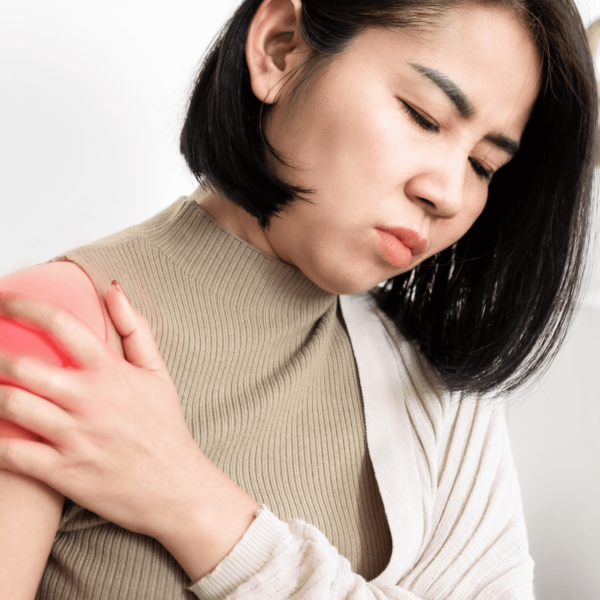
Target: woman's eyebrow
x=464, y=106
x=456, y=95
x=503, y=142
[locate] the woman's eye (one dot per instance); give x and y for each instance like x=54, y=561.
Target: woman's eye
x=481, y=171
x=419, y=119
x=422, y=122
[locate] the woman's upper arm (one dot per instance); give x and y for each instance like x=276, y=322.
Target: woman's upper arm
x=29, y=510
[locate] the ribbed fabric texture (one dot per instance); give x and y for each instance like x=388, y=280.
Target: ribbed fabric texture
x=269, y=389
x=448, y=483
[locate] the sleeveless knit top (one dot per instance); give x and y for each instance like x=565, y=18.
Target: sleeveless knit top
x=269, y=389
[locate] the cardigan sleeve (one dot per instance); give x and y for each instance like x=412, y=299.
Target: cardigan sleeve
x=474, y=546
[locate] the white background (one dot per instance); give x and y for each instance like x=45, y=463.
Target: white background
x=92, y=96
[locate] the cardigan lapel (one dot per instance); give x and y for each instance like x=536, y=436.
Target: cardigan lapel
x=390, y=437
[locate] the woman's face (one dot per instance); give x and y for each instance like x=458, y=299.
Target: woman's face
x=399, y=136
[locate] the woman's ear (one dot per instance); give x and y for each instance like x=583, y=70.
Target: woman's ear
x=274, y=47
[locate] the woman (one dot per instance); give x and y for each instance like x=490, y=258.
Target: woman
x=340, y=145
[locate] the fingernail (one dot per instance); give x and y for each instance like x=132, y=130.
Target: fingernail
x=119, y=288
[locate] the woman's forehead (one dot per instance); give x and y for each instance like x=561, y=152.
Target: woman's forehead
x=478, y=56
x=479, y=35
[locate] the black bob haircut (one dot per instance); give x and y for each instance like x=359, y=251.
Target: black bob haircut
x=493, y=309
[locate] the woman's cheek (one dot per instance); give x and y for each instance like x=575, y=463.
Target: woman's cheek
x=383, y=146
x=358, y=138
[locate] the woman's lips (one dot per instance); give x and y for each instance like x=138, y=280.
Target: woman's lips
x=399, y=244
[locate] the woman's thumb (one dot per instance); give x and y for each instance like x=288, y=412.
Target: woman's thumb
x=139, y=344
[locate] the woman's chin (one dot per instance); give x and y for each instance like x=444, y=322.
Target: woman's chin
x=349, y=283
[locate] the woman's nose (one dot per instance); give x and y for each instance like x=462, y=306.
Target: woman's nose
x=440, y=190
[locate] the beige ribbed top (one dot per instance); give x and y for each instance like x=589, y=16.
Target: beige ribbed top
x=269, y=388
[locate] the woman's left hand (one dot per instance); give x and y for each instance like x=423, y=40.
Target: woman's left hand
x=115, y=438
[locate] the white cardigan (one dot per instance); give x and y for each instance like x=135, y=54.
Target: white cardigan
x=448, y=483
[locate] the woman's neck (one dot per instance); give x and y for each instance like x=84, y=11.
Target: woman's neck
x=234, y=219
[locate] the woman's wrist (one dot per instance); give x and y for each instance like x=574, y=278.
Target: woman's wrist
x=216, y=516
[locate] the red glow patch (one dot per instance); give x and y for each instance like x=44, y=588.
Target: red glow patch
x=16, y=339
x=10, y=430
x=63, y=284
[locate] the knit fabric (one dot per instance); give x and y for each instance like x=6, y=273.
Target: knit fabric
x=448, y=484
x=269, y=389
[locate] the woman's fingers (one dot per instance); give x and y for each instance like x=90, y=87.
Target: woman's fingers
x=138, y=340
x=35, y=414
x=68, y=332
x=57, y=384
x=34, y=459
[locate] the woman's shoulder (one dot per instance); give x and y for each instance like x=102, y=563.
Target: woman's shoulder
x=363, y=309
x=380, y=347
x=61, y=283
x=442, y=421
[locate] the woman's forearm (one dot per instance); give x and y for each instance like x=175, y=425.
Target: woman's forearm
x=29, y=515
x=204, y=530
